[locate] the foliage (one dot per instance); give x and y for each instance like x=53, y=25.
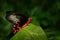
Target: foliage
x=44, y=13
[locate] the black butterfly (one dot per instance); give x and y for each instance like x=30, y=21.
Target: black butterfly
x=17, y=15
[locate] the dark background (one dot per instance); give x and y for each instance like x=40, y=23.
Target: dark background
x=45, y=13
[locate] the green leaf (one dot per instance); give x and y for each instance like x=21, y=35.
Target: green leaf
x=31, y=32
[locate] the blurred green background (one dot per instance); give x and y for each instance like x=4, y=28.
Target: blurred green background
x=45, y=13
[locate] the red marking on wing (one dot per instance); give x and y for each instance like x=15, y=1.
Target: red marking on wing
x=29, y=19
x=17, y=30
x=14, y=31
x=18, y=27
